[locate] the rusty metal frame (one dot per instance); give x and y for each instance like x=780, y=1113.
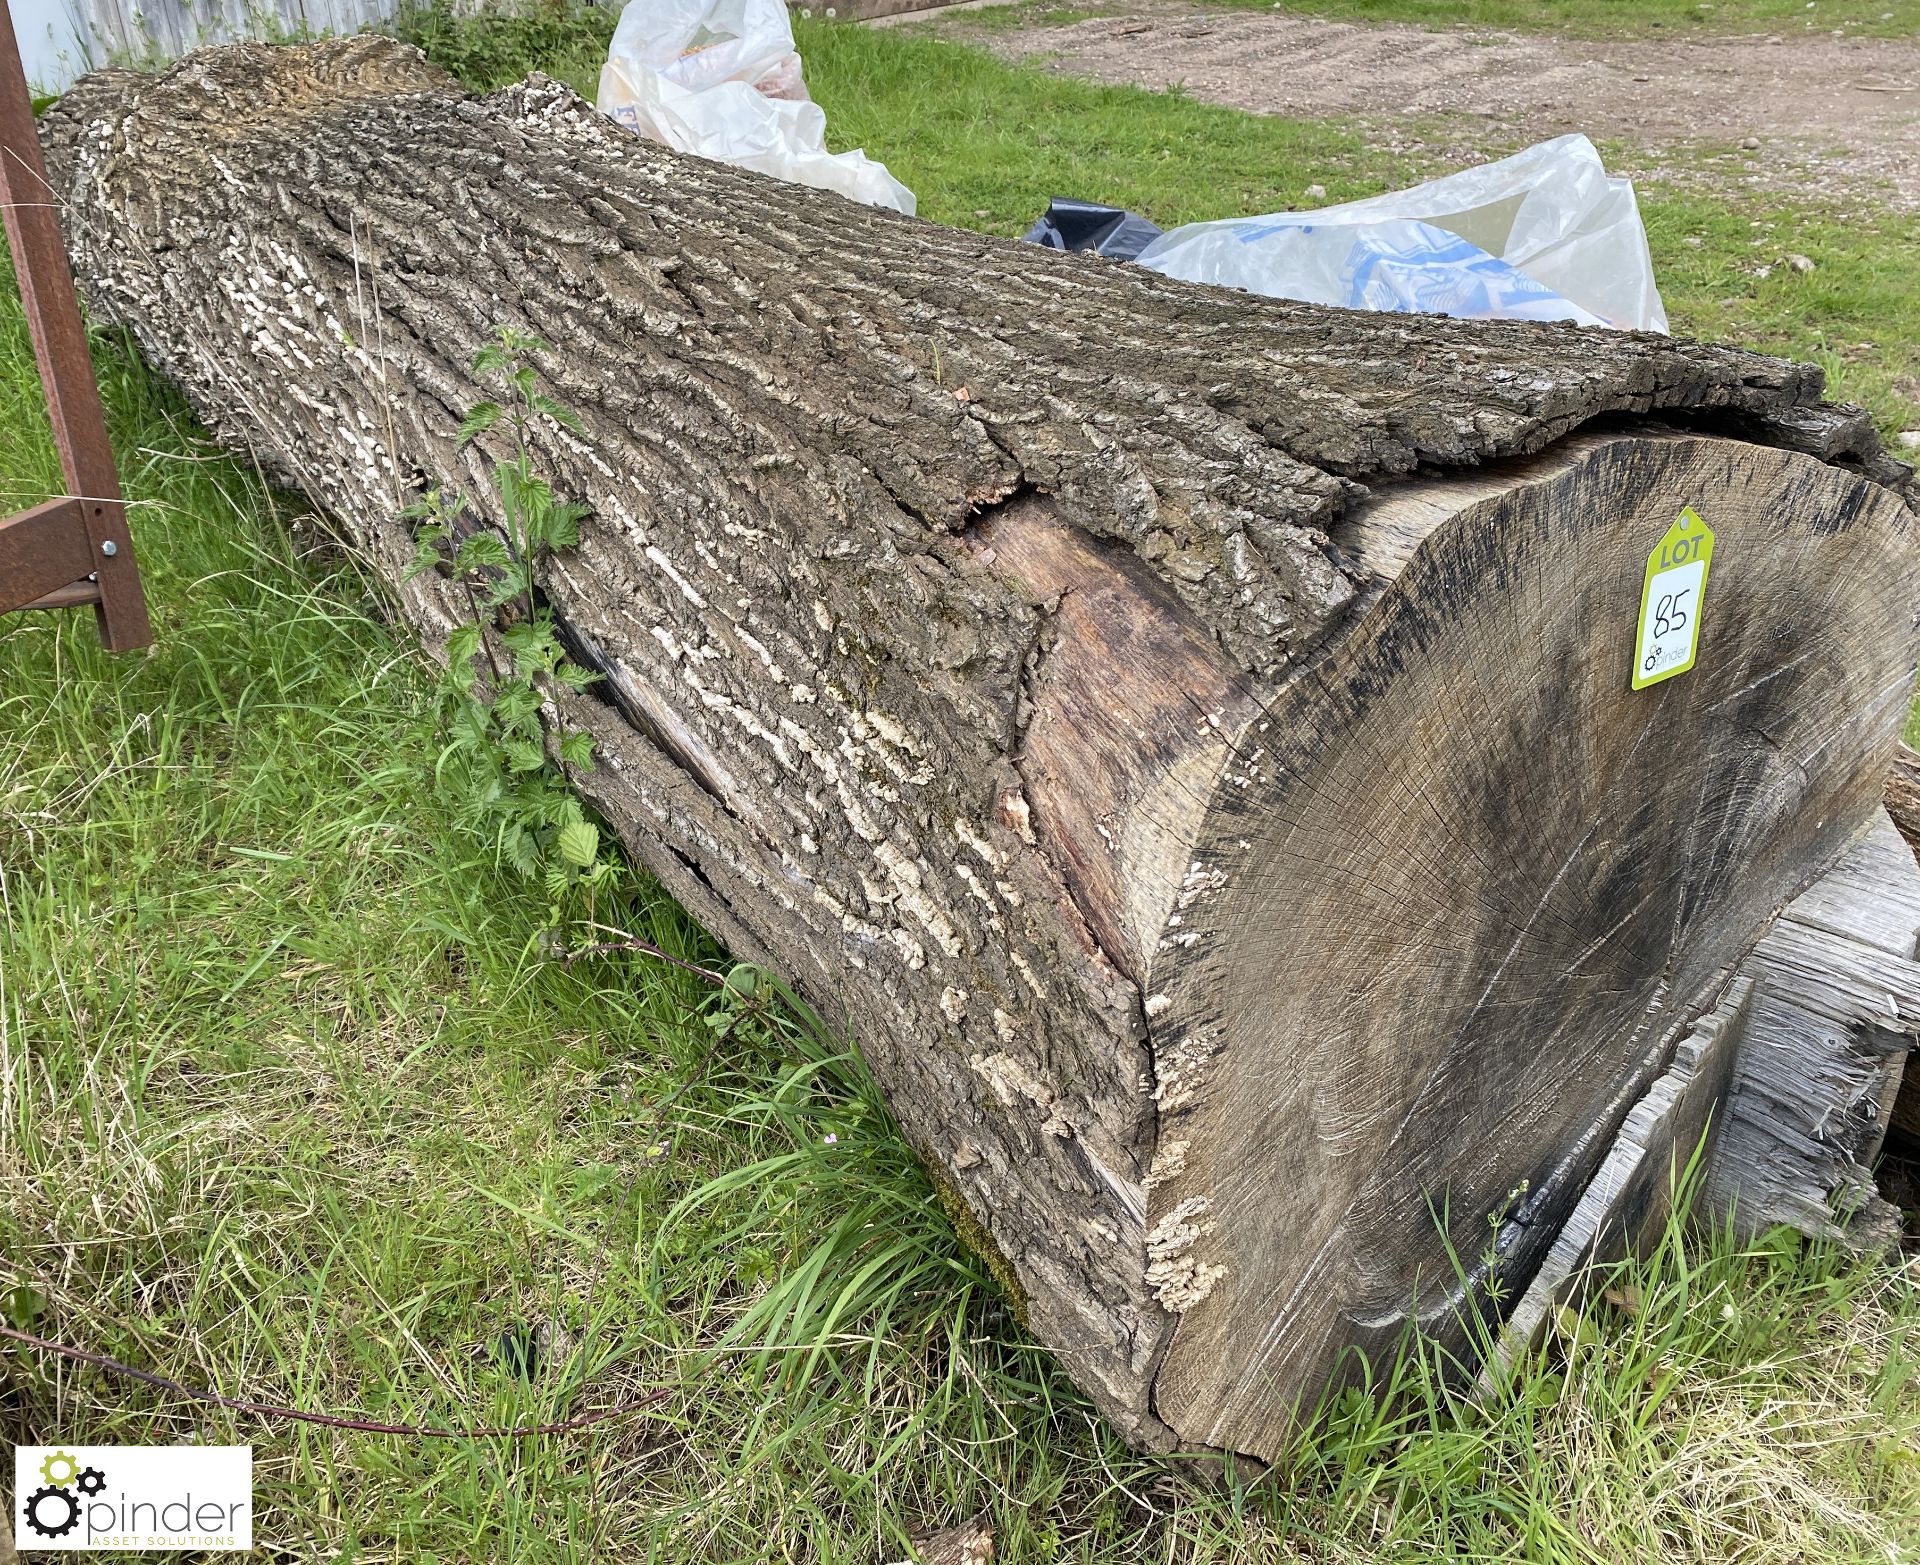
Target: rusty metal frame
x=76, y=549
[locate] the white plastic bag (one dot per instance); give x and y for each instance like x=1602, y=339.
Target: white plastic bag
x=720, y=78
x=1542, y=235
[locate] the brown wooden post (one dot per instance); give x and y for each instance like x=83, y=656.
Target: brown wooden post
x=75, y=549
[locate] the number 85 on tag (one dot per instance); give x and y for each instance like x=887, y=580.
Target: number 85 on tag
x=1671, y=597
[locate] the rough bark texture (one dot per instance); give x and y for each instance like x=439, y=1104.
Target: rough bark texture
x=1035, y=658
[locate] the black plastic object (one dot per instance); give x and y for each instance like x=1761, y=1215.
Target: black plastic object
x=1083, y=225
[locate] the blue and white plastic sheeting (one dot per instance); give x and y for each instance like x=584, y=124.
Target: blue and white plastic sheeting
x=1545, y=235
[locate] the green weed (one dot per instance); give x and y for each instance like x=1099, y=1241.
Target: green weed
x=496, y=748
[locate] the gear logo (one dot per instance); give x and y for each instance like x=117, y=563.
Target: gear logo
x=95, y=1499
x=63, y=1461
x=53, y=1510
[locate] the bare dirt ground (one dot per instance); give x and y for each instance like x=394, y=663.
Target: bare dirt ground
x=1814, y=114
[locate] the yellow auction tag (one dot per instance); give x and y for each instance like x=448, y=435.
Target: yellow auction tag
x=1670, y=599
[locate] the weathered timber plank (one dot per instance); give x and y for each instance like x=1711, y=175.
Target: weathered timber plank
x=1631, y=1198
x=1837, y=1010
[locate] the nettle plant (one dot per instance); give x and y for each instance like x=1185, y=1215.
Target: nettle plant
x=494, y=685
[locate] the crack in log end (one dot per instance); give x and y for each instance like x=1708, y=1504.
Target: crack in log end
x=1786, y=1085
x=1630, y=1198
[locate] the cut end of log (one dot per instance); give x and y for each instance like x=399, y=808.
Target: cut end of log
x=1461, y=886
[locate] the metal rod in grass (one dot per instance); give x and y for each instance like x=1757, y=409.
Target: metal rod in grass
x=429, y=1431
x=335, y=1420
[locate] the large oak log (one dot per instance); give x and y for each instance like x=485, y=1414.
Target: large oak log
x=1187, y=736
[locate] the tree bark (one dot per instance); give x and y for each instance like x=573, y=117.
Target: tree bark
x=1187, y=736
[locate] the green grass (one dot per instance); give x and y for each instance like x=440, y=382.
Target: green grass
x=1856, y=315
x=293, y=1102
